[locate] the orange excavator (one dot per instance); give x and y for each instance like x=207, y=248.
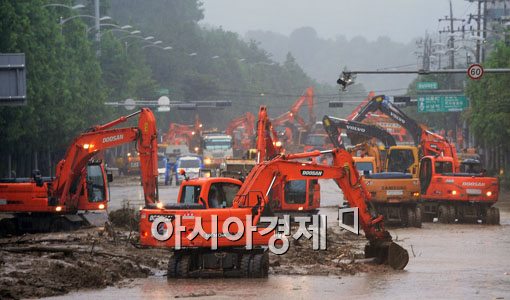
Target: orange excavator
x=217, y=245
x=242, y=130
x=286, y=122
x=189, y=135
x=80, y=187
x=294, y=197
x=430, y=143
x=446, y=193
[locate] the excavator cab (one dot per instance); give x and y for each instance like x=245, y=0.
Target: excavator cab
x=96, y=192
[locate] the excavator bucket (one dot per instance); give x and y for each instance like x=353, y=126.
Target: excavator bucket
x=389, y=253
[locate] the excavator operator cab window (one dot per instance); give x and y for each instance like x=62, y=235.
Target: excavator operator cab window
x=221, y=194
x=400, y=160
x=95, y=183
x=190, y=194
x=443, y=167
x=295, y=191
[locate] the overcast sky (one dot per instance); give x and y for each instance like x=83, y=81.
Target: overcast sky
x=401, y=20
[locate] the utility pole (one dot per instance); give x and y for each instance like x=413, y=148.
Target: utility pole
x=451, y=30
x=484, y=32
x=98, y=27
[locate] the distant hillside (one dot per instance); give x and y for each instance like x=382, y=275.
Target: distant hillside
x=324, y=59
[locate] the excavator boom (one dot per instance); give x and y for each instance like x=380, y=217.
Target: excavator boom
x=431, y=143
x=332, y=124
x=100, y=138
x=293, y=114
x=286, y=167
x=267, y=139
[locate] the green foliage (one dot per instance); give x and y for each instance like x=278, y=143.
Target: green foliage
x=68, y=82
x=63, y=77
x=490, y=100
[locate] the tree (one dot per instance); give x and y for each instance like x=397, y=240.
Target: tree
x=63, y=84
x=490, y=109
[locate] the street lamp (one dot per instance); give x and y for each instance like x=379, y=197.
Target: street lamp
x=63, y=21
x=156, y=46
x=148, y=38
x=78, y=6
x=131, y=34
x=117, y=27
x=119, y=30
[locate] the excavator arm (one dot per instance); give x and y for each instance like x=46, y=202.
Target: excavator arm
x=101, y=137
x=268, y=145
x=383, y=104
x=431, y=143
x=247, y=120
x=265, y=175
x=333, y=125
x=293, y=114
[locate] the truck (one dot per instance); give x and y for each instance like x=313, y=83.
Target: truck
x=216, y=147
x=213, y=250
x=78, y=195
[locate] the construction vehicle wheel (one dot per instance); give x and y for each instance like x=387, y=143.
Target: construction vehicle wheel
x=245, y=264
x=443, y=214
x=411, y=217
x=419, y=216
x=493, y=216
x=172, y=267
x=259, y=265
x=452, y=212
x=183, y=266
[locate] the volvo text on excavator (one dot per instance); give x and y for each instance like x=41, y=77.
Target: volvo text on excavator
x=446, y=193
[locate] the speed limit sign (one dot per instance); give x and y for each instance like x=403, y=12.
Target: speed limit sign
x=475, y=71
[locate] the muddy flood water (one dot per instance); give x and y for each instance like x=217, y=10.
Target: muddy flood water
x=459, y=261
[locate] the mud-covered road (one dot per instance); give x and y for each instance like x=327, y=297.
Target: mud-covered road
x=447, y=261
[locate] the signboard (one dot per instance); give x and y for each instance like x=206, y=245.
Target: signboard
x=442, y=103
x=430, y=85
x=475, y=71
x=13, y=86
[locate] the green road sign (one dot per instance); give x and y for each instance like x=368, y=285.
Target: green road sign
x=163, y=92
x=427, y=85
x=442, y=103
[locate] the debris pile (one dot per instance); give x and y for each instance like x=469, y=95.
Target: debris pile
x=344, y=255
x=39, y=265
